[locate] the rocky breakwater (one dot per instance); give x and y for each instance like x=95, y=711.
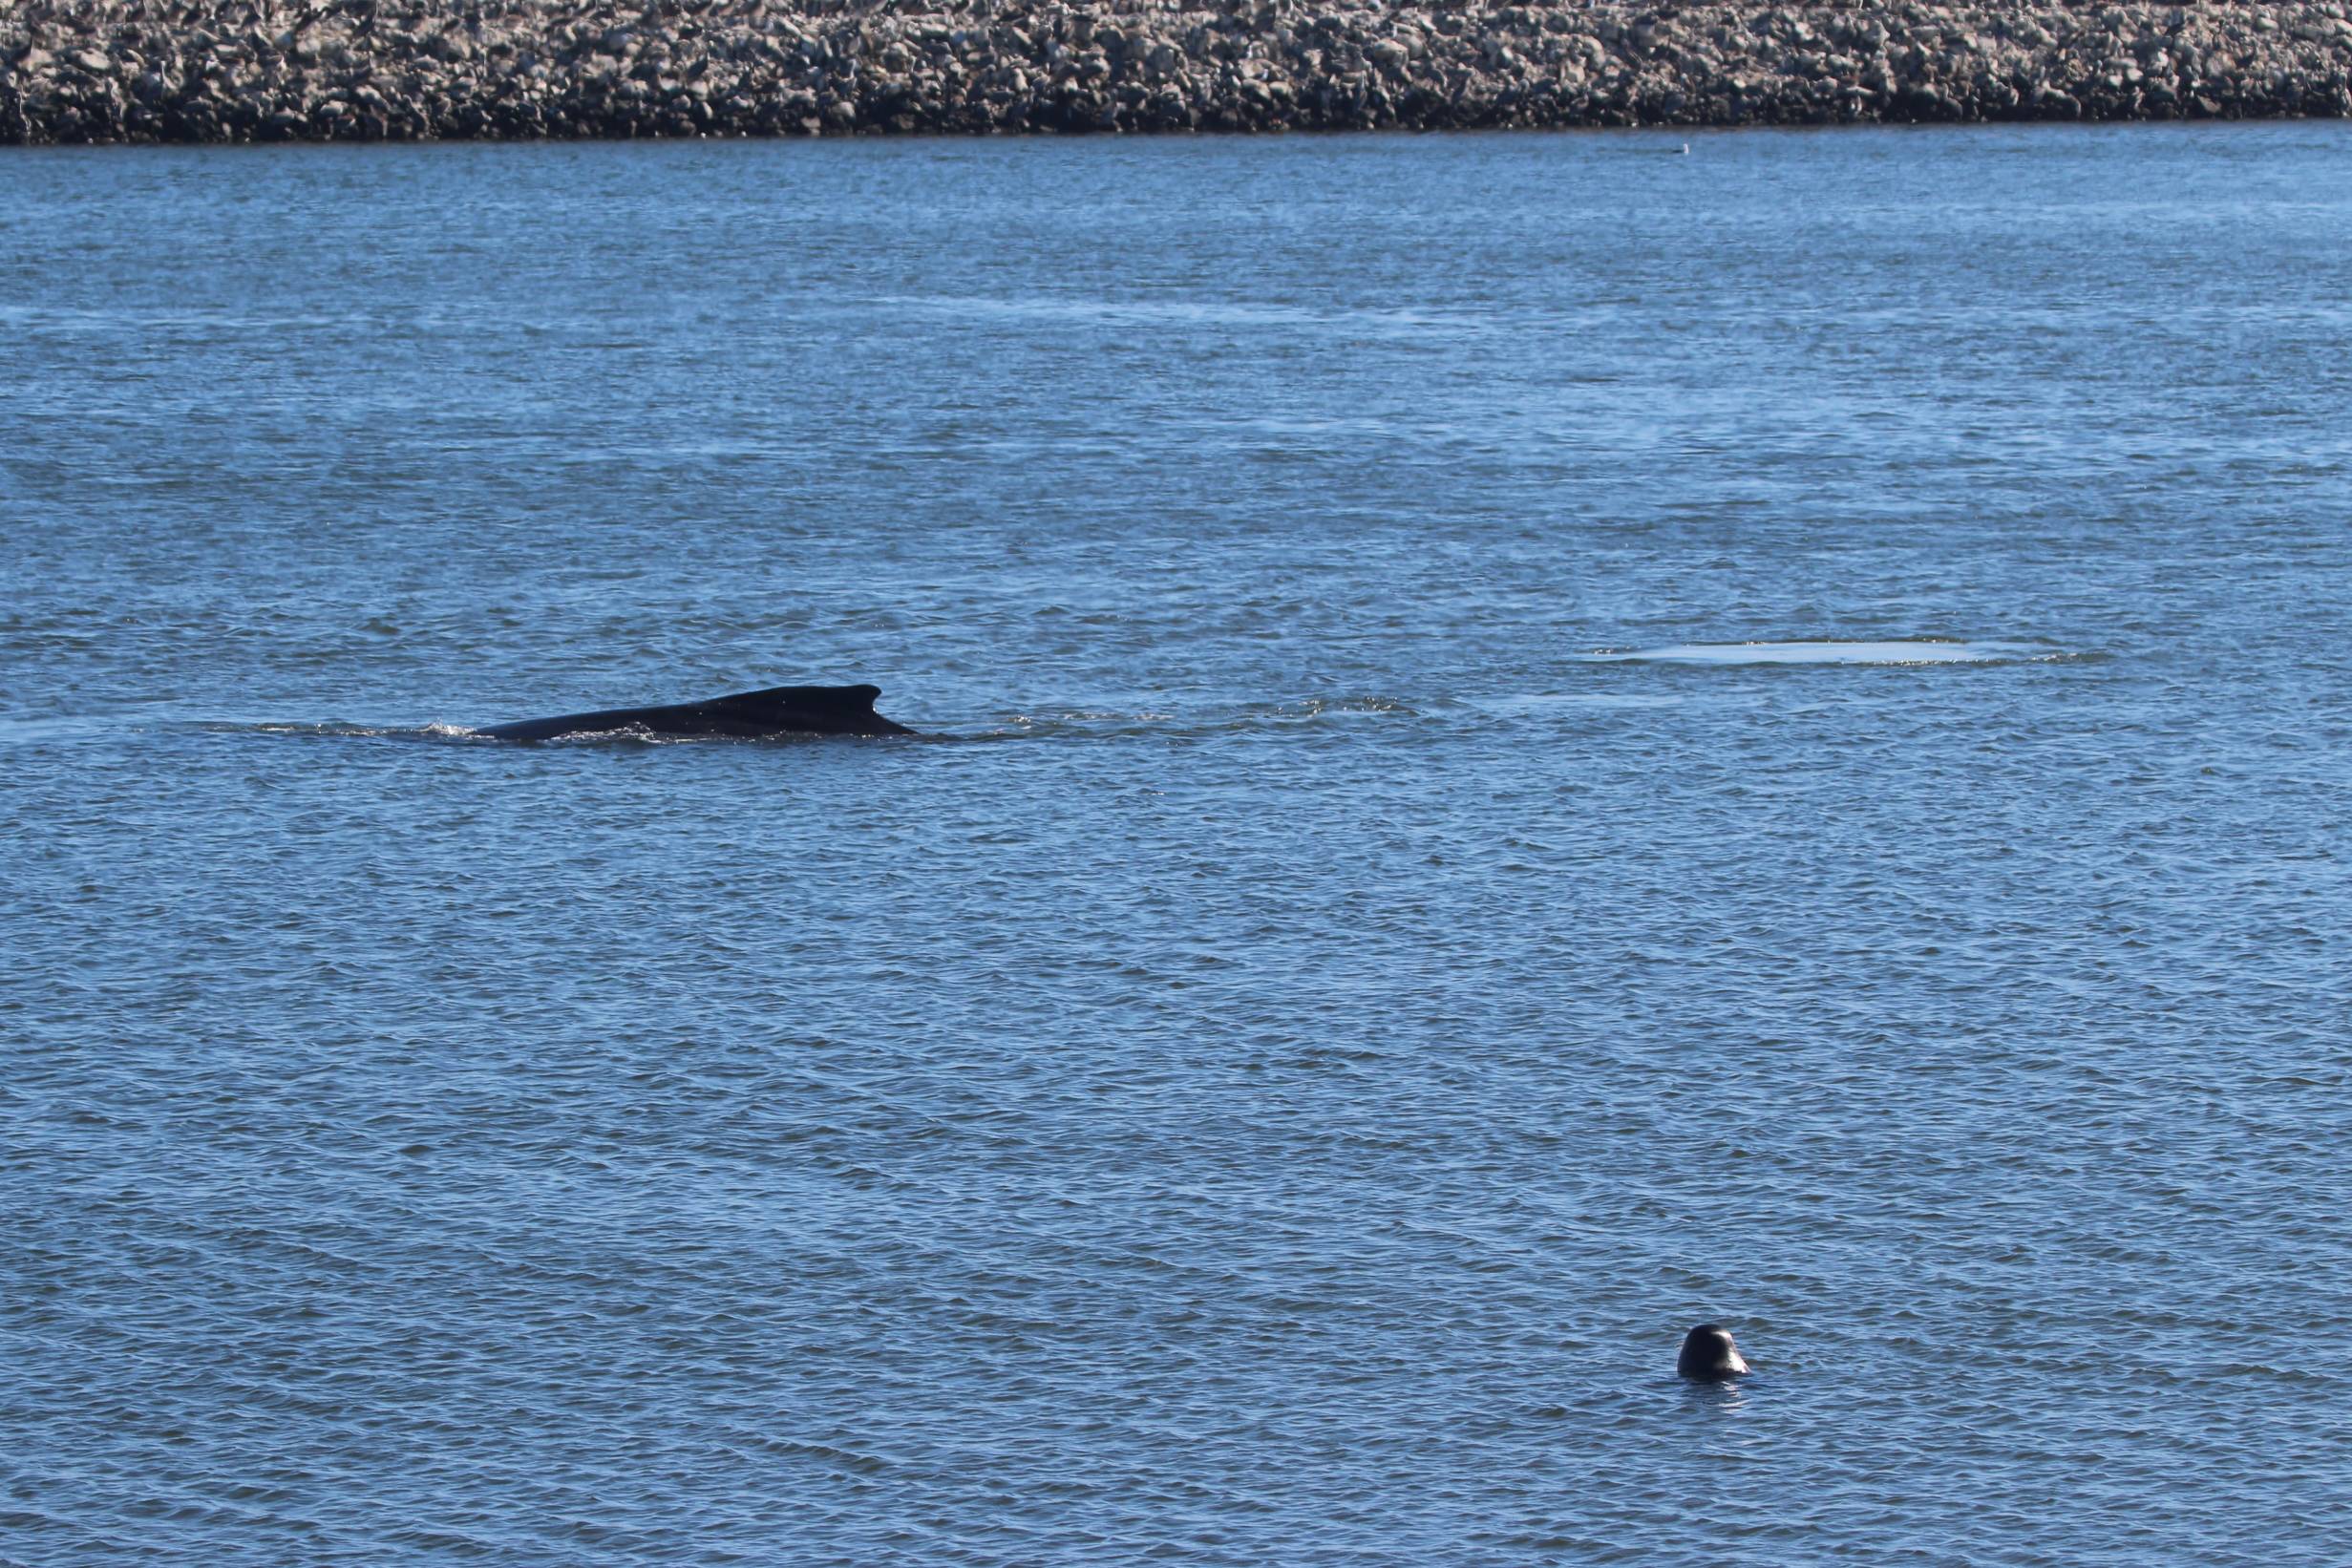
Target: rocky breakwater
x=376, y=70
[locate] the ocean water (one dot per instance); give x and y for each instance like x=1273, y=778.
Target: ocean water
x=1525, y=744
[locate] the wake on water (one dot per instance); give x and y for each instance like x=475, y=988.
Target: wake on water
x=1918, y=651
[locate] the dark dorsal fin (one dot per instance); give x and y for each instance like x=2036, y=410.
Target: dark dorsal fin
x=855, y=701
x=826, y=709
x=779, y=710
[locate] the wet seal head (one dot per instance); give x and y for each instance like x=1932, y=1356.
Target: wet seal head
x=1709, y=1355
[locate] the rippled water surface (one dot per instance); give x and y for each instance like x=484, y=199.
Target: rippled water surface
x=1523, y=747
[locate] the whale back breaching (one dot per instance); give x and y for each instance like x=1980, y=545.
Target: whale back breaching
x=1709, y=1355
x=747, y=715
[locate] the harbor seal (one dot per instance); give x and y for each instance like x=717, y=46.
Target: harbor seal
x=1709, y=1356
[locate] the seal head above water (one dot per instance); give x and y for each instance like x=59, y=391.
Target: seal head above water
x=1709, y=1355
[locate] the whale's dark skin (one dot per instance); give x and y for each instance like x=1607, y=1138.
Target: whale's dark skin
x=1709, y=1355
x=747, y=715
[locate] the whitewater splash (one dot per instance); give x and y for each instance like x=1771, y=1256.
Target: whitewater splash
x=1921, y=651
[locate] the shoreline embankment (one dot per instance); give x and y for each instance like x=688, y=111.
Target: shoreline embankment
x=149, y=71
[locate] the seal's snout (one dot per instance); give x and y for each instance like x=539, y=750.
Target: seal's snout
x=1709, y=1355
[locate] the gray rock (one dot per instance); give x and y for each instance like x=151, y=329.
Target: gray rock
x=202, y=70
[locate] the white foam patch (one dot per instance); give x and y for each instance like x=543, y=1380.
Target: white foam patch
x=1921, y=651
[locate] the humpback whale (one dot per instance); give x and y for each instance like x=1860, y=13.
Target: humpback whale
x=747, y=715
x=1709, y=1355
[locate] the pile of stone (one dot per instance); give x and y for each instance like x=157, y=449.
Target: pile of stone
x=414, y=69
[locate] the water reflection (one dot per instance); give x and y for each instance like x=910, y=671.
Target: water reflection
x=1729, y=1397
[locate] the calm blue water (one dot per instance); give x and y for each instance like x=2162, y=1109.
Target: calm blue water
x=1528, y=743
